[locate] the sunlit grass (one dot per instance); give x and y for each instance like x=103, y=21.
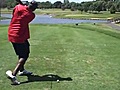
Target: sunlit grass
x=87, y=53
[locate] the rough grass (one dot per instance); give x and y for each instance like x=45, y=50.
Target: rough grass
x=87, y=53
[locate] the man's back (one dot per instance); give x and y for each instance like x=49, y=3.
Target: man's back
x=19, y=30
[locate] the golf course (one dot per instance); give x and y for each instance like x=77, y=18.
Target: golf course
x=66, y=57
x=74, y=45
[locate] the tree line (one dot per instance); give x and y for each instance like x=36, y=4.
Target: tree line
x=95, y=6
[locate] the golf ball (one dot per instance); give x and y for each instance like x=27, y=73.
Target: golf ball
x=58, y=81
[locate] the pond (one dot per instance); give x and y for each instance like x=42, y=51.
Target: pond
x=47, y=19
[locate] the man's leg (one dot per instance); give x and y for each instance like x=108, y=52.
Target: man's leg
x=19, y=66
x=12, y=75
x=22, y=66
x=22, y=50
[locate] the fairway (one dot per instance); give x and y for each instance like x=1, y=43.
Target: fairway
x=88, y=54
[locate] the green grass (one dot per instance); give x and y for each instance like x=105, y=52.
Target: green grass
x=77, y=14
x=102, y=15
x=87, y=53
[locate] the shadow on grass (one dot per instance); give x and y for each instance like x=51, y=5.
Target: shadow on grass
x=48, y=77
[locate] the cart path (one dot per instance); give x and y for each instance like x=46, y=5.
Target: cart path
x=114, y=26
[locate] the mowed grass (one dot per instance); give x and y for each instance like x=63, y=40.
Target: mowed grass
x=87, y=53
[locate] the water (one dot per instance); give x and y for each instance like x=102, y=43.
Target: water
x=47, y=19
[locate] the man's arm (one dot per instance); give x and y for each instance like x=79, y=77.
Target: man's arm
x=29, y=17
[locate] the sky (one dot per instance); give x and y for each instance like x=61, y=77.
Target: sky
x=78, y=1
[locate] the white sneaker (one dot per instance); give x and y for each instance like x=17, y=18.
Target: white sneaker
x=9, y=74
x=24, y=72
x=12, y=78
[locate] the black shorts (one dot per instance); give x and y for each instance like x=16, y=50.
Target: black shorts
x=22, y=49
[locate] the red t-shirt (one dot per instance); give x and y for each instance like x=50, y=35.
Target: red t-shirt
x=18, y=30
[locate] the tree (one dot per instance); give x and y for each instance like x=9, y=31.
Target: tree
x=2, y=5
x=104, y=6
x=98, y=6
x=73, y=6
x=45, y=5
x=66, y=4
x=112, y=9
x=63, y=7
x=91, y=8
x=57, y=4
x=66, y=1
x=86, y=6
x=105, y=0
x=109, y=4
x=80, y=8
x=117, y=3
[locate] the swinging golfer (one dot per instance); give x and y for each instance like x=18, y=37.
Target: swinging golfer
x=18, y=35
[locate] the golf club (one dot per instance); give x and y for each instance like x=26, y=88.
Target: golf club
x=19, y=1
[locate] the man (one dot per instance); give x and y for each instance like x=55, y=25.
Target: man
x=18, y=35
